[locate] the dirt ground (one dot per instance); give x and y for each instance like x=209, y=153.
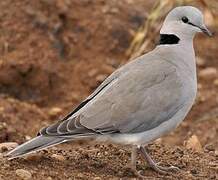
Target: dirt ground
x=55, y=53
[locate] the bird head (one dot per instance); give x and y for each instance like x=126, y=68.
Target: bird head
x=184, y=22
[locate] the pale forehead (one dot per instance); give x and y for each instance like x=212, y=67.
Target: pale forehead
x=188, y=11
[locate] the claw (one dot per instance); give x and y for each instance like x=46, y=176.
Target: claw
x=164, y=170
x=156, y=166
x=171, y=168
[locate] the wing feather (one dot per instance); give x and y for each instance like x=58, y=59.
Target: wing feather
x=133, y=99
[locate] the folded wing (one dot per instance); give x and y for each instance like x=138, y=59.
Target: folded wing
x=134, y=100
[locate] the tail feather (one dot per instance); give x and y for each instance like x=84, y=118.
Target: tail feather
x=35, y=144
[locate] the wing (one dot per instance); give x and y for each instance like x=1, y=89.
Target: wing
x=72, y=117
x=140, y=96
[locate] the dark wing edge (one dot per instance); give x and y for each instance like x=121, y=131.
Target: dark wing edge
x=71, y=126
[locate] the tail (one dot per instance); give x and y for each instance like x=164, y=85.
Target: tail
x=35, y=144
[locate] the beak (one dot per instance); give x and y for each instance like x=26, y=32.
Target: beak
x=205, y=30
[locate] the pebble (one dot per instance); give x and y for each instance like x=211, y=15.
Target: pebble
x=58, y=157
x=96, y=178
x=210, y=147
x=76, y=96
x=101, y=77
x=54, y=111
x=28, y=138
x=33, y=157
x=208, y=73
x=108, y=69
x=24, y=174
x=92, y=72
x=200, y=62
x=80, y=175
x=194, y=144
x=7, y=146
x=215, y=82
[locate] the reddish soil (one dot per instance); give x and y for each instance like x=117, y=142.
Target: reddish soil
x=55, y=53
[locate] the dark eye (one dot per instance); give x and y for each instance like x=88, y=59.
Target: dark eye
x=185, y=19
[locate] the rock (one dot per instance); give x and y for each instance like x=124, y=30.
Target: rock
x=97, y=178
x=33, y=157
x=194, y=144
x=210, y=147
x=7, y=146
x=2, y=109
x=92, y=72
x=23, y=174
x=3, y=125
x=108, y=69
x=208, y=73
x=54, y=111
x=216, y=153
x=58, y=157
x=80, y=175
x=199, y=86
x=200, y=62
x=76, y=96
x=28, y=138
x=101, y=77
x=215, y=82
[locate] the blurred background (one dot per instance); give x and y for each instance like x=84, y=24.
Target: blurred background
x=54, y=53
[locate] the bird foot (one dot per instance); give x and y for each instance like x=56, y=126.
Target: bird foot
x=135, y=172
x=163, y=170
x=155, y=166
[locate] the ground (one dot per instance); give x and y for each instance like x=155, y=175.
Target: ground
x=55, y=53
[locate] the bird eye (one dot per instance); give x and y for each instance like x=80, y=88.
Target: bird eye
x=185, y=19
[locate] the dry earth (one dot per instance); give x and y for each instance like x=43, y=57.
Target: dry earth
x=55, y=53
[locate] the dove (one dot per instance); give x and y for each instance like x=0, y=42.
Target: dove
x=140, y=101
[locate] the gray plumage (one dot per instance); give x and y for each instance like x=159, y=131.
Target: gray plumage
x=140, y=101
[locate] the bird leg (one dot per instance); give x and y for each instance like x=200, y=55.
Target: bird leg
x=132, y=164
x=153, y=165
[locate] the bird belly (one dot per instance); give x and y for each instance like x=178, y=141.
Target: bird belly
x=148, y=136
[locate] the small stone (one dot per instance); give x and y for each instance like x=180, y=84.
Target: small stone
x=2, y=109
x=49, y=178
x=96, y=178
x=210, y=147
x=199, y=86
x=28, y=138
x=33, y=157
x=101, y=77
x=200, y=62
x=76, y=96
x=108, y=69
x=208, y=73
x=58, y=157
x=194, y=144
x=114, y=10
x=23, y=174
x=194, y=171
x=80, y=175
x=215, y=82
x=92, y=72
x=7, y=146
x=54, y=111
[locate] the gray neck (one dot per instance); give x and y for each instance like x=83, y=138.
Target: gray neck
x=181, y=55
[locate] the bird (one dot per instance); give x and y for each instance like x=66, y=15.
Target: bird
x=140, y=101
